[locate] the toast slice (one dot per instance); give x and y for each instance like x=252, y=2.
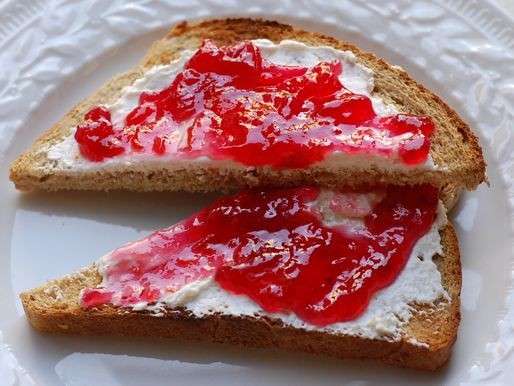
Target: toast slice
x=426, y=340
x=455, y=150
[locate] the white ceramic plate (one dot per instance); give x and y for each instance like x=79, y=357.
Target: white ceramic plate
x=55, y=53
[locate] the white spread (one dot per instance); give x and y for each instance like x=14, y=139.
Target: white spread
x=356, y=77
x=389, y=310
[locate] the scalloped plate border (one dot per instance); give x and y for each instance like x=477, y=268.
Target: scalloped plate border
x=17, y=16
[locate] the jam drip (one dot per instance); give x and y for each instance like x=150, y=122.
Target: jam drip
x=228, y=103
x=276, y=248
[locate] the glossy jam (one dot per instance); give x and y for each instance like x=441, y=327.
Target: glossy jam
x=319, y=254
x=230, y=103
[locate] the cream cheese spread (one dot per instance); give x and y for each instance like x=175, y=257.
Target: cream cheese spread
x=386, y=315
x=355, y=76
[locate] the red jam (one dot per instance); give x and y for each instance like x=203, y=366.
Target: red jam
x=231, y=103
x=275, y=248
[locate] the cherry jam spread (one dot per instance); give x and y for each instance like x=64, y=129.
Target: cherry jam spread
x=321, y=255
x=229, y=103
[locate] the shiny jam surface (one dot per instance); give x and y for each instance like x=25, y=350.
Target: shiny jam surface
x=321, y=255
x=229, y=103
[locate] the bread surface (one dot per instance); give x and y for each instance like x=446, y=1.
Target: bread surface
x=455, y=149
x=55, y=308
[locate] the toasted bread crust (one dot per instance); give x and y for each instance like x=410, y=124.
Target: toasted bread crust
x=455, y=149
x=54, y=308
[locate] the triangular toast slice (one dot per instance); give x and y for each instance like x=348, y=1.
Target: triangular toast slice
x=420, y=339
x=455, y=155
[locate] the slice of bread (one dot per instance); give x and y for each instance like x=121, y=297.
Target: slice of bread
x=454, y=150
x=55, y=308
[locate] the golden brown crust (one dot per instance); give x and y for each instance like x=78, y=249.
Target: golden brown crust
x=212, y=179
x=455, y=149
x=54, y=308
